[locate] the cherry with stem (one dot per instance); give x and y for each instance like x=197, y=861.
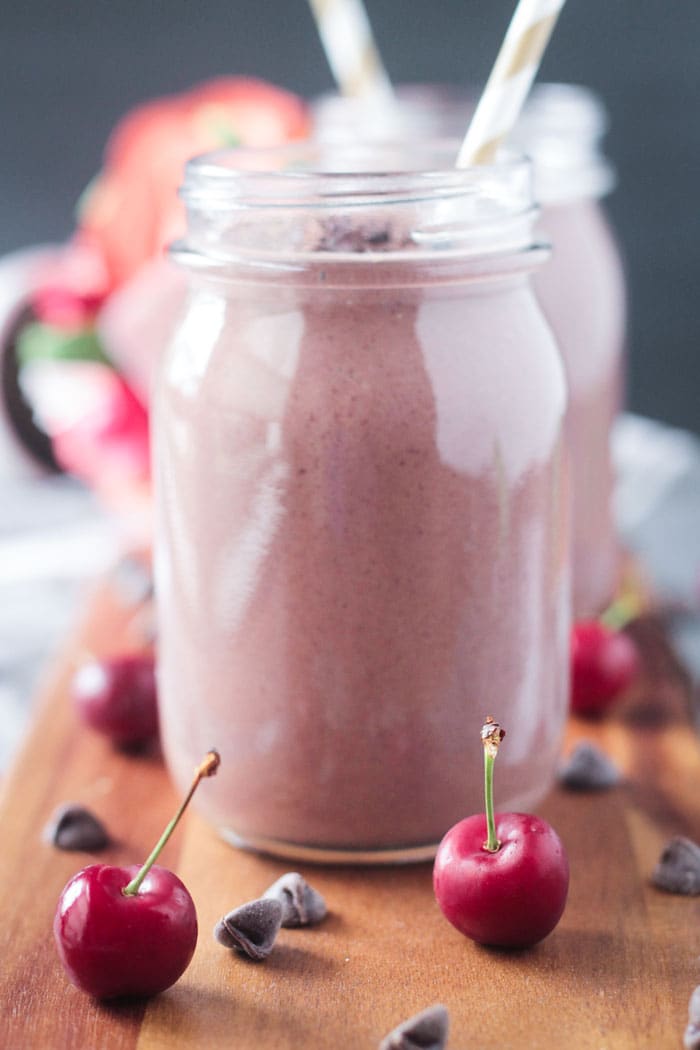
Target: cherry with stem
x=129, y=931
x=501, y=878
x=605, y=660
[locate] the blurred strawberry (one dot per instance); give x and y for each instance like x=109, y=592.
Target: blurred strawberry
x=97, y=424
x=138, y=321
x=131, y=211
x=248, y=112
x=71, y=287
x=107, y=442
x=64, y=308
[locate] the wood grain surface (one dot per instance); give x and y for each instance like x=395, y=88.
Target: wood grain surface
x=616, y=974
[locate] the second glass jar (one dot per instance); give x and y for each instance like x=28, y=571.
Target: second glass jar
x=581, y=287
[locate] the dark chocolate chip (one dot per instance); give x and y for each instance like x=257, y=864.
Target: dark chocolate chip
x=74, y=827
x=694, y=1007
x=691, y=1038
x=302, y=905
x=143, y=627
x=133, y=581
x=588, y=768
x=345, y=234
x=678, y=870
x=222, y=935
x=424, y=1031
x=252, y=928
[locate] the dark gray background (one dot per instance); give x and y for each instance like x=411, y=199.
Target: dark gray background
x=69, y=70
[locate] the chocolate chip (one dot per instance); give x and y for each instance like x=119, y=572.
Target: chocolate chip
x=691, y=1038
x=252, y=928
x=142, y=627
x=302, y=905
x=345, y=234
x=133, y=581
x=694, y=1006
x=424, y=1031
x=678, y=870
x=222, y=935
x=588, y=769
x=74, y=827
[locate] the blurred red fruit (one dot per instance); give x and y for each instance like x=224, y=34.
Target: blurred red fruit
x=604, y=663
x=110, y=440
x=132, y=211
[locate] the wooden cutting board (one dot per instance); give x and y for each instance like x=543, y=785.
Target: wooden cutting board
x=616, y=974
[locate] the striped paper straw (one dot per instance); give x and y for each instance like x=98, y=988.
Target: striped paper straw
x=511, y=78
x=352, y=54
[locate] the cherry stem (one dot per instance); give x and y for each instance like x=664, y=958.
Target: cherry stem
x=206, y=768
x=491, y=736
x=622, y=611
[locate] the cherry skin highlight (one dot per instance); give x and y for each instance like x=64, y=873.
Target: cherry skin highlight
x=113, y=945
x=509, y=898
x=604, y=663
x=117, y=697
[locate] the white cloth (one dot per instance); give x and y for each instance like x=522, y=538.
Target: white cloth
x=53, y=540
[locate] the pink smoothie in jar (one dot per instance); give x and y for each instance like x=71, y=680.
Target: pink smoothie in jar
x=581, y=287
x=362, y=537
x=582, y=291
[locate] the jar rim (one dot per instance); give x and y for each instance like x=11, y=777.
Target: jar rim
x=369, y=201
x=311, y=173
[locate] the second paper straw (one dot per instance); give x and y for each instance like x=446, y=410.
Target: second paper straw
x=510, y=80
x=352, y=54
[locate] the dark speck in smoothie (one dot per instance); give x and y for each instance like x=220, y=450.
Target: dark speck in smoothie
x=344, y=234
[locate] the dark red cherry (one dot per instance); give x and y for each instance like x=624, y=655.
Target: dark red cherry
x=112, y=944
x=129, y=931
x=511, y=897
x=604, y=663
x=117, y=697
x=501, y=879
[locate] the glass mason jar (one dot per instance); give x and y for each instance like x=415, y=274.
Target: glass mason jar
x=582, y=292
x=581, y=287
x=361, y=487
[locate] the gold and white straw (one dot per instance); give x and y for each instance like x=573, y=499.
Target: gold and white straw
x=352, y=54
x=514, y=70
